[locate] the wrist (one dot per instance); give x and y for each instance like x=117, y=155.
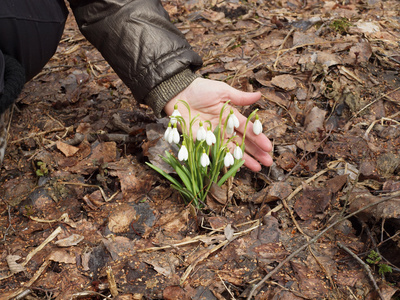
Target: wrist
x=162, y=94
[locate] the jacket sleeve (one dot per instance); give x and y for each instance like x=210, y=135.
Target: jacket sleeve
x=145, y=49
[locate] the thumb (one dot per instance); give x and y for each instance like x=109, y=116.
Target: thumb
x=241, y=98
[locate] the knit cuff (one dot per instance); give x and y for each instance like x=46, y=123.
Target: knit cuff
x=168, y=89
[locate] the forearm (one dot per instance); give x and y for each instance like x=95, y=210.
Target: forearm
x=144, y=48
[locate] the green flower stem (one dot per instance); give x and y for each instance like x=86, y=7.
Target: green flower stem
x=245, y=127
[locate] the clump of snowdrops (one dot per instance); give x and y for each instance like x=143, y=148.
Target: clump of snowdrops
x=200, y=162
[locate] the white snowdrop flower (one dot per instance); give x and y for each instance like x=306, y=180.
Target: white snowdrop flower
x=257, y=126
x=168, y=131
x=201, y=133
x=175, y=114
x=233, y=122
x=228, y=160
x=210, y=137
x=238, y=153
x=174, y=136
x=204, y=159
x=183, y=153
x=229, y=130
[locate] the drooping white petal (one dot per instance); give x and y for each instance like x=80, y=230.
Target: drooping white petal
x=174, y=136
x=175, y=114
x=235, y=121
x=210, y=138
x=183, y=153
x=229, y=130
x=228, y=160
x=238, y=153
x=204, y=160
x=201, y=133
x=231, y=121
x=167, y=132
x=257, y=126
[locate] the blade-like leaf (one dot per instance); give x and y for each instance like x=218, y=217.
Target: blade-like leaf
x=231, y=172
x=166, y=175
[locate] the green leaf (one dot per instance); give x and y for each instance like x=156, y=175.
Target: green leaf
x=166, y=175
x=384, y=268
x=185, y=179
x=231, y=172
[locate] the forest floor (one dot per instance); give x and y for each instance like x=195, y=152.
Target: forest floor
x=83, y=217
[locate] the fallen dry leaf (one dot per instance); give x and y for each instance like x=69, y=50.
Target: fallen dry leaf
x=66, y=149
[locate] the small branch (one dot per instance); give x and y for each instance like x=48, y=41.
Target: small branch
x=314, y=239
x=365, y=266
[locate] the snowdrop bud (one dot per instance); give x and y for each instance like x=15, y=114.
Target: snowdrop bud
x=168, y=131
x=228, y=160
x=238, y=153
x=210, y=137
x=174, y=136
x=257, y=126
x=175, y=114
x=233, y=120
x=201, y=133
x=204, y=159
x=183, y=153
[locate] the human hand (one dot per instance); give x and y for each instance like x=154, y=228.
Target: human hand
x=206, y=97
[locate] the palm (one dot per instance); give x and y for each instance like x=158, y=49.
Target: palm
x=206, y=98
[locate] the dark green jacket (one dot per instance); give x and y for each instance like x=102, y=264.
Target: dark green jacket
x=141, y=44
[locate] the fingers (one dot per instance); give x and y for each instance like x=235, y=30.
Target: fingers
x=241, y=98
x=254, y=154
x=260, y=140
x=251, y=163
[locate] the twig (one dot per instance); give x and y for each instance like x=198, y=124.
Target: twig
x=390, y=118
x=280, y=105
x=93, y=185
x=9, y=221
x=42, y=245
x=365, y=266
x=24, y=290
x=290, y=211
x=200, y=238
x=302, y=46
x=89, y=293
x=229, y=291
x=314, y=239
x=111, y=282
x=296, y=293
x=372, y=102
x=281, y=46
x=32, y=135
x=220, y=245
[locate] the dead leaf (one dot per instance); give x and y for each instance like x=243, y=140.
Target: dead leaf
x=273, y=125
x=62, y=256
x=164, y=265
x=285, y=82
x=175, y=292
x=66, y=149
x=278, y=191
x=315, y=120
x=229, y=231
x=121, y=218
x=73, y=240
x=312, y=201
x=13, y=265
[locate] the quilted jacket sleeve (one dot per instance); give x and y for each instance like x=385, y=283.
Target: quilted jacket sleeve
x=140, y=43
